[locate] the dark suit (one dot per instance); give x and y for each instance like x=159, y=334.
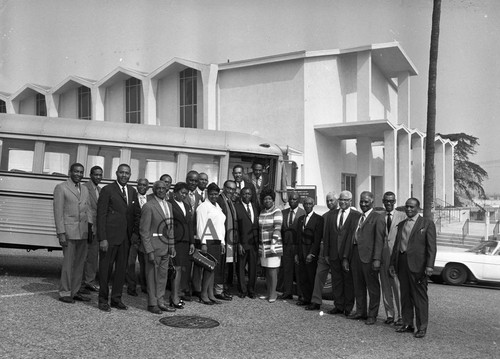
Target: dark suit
x=248, y=233
x=334, y=241
x=248, y=184
x=231, y=238
x=309, y=236
x=115, y=223
x=410, y=266
x=365, y=247
x=265, y=183
x=92, y=261
x=193, y=272
x=289, y=235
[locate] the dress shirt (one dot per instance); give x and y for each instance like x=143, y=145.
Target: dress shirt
x=308, y=217
x=387, y=224
x=124, y=191
x=181, y=204
x=249, y=209
x=164, y=206
x=346, y=214
x=291, y=216
x=142, y=199
x=410, y=222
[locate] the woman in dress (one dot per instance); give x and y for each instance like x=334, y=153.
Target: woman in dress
x=271, y=246
x=211, y=230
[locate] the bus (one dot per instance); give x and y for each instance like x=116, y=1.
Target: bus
x=36, y=152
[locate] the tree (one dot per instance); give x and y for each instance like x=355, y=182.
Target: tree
x=469, y=176
x=431, y=112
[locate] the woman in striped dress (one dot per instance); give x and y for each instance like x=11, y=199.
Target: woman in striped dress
x=271, y=246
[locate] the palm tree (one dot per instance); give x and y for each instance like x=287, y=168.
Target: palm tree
x=431, y=113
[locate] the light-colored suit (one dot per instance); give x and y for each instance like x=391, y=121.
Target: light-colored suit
x=72, y=216
x=92, y=261
x=157, y=236
x=390, y=285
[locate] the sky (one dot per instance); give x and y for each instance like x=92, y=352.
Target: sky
x=90, y=38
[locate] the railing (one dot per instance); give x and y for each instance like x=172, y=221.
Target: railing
x=465, y=230
x=438, y=225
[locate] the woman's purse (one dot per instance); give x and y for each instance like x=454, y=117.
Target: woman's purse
x=205, y=260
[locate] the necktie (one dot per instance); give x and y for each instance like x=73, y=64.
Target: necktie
x=248, y=210
x=361, y=220
x=124, y=194
x=406, y=235
x=341, y=222
x=290, y=223
x=191, y=199
x=97, y=191
x=77, y=185
x=389, y=222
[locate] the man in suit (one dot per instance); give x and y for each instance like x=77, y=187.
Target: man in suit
x=310, y=233
x=157, y=236
x=92, y=261
x=202, y=186
x=225, y=201
x=168, y=181
x=259, y=179
x=412, y=260
x=390, y=285
x=364, y=255
x=322, y=267
x=135, y=252
x=116, y=215
x=72, y=215
x=241, y=183
x=289, y=233
x=248, y=234
x=340, y=226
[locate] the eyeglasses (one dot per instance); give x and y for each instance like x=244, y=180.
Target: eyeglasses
x=389, y=201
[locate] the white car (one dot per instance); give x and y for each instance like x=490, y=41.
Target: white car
x=480, y=263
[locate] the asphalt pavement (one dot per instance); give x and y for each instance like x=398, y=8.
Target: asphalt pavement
x=464, y=323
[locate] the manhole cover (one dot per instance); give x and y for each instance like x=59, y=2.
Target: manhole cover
x=192, y=322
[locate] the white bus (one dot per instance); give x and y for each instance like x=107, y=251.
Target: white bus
x=36, y=152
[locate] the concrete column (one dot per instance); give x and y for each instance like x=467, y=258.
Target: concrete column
x=98, y=97
x=364, y=84
x=209, y=79
x=439, y=169
x=404, y=165
x=449, y=168
x=390, y=161
x=323, y=166
x=9, y=106
x=404, y=99
x=417, y=173
x=52, y=103
x=364, y=165
x=149, y=87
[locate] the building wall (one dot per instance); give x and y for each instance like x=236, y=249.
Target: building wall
x=167, y=100
x=114, y=105
x=267, y=100
x=383, y=98
x=347, y=70
x=27, y=106
x=68, y=104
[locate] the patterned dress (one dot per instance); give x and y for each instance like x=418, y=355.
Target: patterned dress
x=271, y=246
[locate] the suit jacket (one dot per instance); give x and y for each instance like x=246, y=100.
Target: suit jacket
x=370, y=238
x=72, y=212
x=421, y=249
x=290, y=233
x=116, y=218
x=248, y=231
x=157, y=230
x=231, y=222
x=390, y=236
x=183, y=224
x=265, y=183
x=197, y=202
x=93, y=201
x=247, y=183
x=335, y=240
x=310, y=235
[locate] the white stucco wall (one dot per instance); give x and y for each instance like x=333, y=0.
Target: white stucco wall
x=114, y=103
x=382, y=97
x=348, y=87
x=68, y=104
x=167, y=100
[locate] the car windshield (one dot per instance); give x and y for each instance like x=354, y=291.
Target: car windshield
x=484, y=247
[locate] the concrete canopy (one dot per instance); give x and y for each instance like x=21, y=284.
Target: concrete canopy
x=176, y=65
x=72, y=82
x=352, y=130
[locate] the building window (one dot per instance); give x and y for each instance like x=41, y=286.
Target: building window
x=188, y=98
x=133, y=92
x=41, y=107
x=349, y=184
x=84, y=103
x=3, y=107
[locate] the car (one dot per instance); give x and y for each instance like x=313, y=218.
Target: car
x=478, y=264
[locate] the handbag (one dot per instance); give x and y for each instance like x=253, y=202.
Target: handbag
x=172, y=272
x=205, y=260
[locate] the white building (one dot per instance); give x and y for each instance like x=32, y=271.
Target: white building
x=343, y=116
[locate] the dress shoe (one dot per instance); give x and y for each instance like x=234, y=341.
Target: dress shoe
x=335, y=311
x=264, y=297
x=215, y=301
x=227, y=294
x=195, y=293
x=420, y=334
x=389, y=320
x=119, y=305
x=206, y=302
x=302, y=303
x=272, y=300
x=371, y=321
x=81, y=298
x=84, y=290
x=154, y=309
x=398, y=322
x=223, y=296
x=176, y=306
x=347, y=313
x=312, y=306
x=104, y=307
x=285, y=296
x=405, y=329
x=92, y=287
x=251, y=295
x=164, y=308
x=356, y=316
x=187, y=298
x=242, y=295
x=67, y=299
x=132, y=292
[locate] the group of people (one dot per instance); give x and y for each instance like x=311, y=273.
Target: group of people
x=380, y=253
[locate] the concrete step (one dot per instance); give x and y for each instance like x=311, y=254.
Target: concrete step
x=455, y=240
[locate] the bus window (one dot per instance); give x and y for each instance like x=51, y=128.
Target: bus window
x=207, y=164
x=17, y=155
x=58, y=157
x=152, y=164
x=107, y=158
